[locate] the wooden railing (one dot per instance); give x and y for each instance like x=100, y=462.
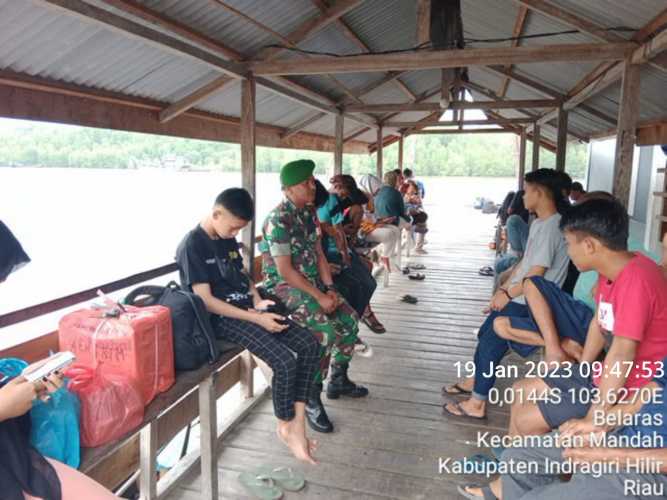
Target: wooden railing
x=194, y=394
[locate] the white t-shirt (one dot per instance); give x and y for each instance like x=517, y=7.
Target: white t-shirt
x=545, y=248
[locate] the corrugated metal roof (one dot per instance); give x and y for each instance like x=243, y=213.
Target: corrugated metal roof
x=385, y=24
x=612, y=13
x=41, y=41
x=215, y=21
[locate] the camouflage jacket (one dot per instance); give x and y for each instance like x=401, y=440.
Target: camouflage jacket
x=288, y=230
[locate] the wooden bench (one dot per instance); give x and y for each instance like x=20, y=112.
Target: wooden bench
x=194, y=394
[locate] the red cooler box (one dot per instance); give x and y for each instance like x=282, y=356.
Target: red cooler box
x=136, y=342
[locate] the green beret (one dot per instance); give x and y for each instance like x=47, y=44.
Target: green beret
x=296, y=172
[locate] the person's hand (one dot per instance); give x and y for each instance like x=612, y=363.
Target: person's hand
x=16, y=397
x=580, y=427
x=387, y=220
x=590, y=455
x=271, y=322
x=328, y=302
x=263, y=305
x=47, y=385
x=499, y=301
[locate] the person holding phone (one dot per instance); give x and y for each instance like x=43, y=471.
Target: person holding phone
x=24, y=473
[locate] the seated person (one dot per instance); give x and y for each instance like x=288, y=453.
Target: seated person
x=632, y=432
x=24, y=473
x=577, y=192
x=297, y=272
x=211, y=266
x=630, y=322
x=409, y=176
x=377, y=230
x=545, y=256
x=389, y=204
x=354, y=279
x=516, y=231
x=415, y=209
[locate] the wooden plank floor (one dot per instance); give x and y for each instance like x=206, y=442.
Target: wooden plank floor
x=388, y=445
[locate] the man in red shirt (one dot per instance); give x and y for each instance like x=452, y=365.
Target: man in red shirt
x=630, y=323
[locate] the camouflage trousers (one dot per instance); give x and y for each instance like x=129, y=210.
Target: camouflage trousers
x=337, y=332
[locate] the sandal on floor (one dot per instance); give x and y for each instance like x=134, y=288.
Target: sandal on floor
x=371, y=321
x=405, y=270
x=409, y=299
x=286, y=477
x=458, y=390
x=487, y=494
x=464, y=416
x=417, y=277
x=417, y=267
x=486, y=271
x=260, y=486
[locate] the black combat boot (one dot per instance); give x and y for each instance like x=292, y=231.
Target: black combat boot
x=340, y=385
x=315, y=413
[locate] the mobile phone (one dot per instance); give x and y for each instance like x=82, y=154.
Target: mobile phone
x=53, y=363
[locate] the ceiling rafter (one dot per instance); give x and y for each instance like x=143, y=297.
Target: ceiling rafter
x=351, y=35
x=519, y=24
x=604, y=75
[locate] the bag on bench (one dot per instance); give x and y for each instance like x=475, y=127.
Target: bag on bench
x=136, y=342
x=194, y=339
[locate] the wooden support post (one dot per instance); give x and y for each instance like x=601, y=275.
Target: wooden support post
x=561, y=143
x=338, y=151
x=247, y=378
x=628, y=113
x=522, y=156
x=536, y=147
x=248, y=174
x=378, y=158
x=208, y=437
x=147, y=462
x=400, y=152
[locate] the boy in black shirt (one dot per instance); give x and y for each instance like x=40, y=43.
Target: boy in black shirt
x=211, y=266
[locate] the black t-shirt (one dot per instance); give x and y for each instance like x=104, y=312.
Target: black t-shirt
x=218, y=262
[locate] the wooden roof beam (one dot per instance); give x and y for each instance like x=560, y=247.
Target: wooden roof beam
x=32, y=98
x=284, y=40
x=492, y=95
x=601, y=78
x=308, y=28
x=563, y=15
x=453, y=58
x=196, y=97
x=299, y=126
x=212, y=56
x=516, y=32
x=547, y=91
x=464, y=131
x=454, y=123
x=435, y=106
x=352, y=36
x=597, y=31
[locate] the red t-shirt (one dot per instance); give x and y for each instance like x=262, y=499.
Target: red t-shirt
x=635, y=307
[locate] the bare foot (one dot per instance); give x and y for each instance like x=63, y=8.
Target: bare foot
x=300, y=446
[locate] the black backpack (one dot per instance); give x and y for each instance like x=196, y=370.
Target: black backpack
x=194, y=339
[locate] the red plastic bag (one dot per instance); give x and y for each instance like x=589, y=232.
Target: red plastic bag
x=111, y=405
x=132, y=341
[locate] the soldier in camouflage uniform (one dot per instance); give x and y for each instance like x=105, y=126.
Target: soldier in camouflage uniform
x=296, y=271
